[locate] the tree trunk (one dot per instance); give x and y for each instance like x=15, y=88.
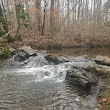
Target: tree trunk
x=38, y=6
x=68, y=11
x=43, y=25
x=52, y=18
x=5, y=26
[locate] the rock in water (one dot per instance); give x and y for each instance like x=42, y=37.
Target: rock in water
x=21, y=55
x=53, y=59
x=103, y=60
x=103, y=69
x=82, y=77
x=28, y=50
x=24, y=53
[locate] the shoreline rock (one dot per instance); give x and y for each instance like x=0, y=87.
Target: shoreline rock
x=102, y=60
x=82, y=77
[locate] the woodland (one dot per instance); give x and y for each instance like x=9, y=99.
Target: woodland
x=54, y=24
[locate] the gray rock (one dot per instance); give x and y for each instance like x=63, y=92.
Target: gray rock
x=82, y=77
x=24, y=53
x=103, y=60
x=103, y=69
x=28, y=50
x=53, y=59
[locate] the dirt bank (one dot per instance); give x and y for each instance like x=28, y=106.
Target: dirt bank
x=48, y=42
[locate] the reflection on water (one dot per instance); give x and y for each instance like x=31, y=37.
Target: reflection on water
x=92, y=52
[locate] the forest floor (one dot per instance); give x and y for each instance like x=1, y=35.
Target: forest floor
x=104, y=101
x=64, y=41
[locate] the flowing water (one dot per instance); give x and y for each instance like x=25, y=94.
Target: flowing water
x=40, y=87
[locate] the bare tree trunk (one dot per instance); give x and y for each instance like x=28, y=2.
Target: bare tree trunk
x=68, y=11
x=43, y=25
x=38, y=6
x=5, y=26
x=52, y=19
x=79, y=12
x=17, y=8
x=1, y=17
x=58, y=14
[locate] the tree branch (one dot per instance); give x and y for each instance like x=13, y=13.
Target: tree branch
x=67, y=15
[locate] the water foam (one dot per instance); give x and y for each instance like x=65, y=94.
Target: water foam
x=54, y=73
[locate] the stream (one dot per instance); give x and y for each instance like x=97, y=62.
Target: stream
x=42, y=87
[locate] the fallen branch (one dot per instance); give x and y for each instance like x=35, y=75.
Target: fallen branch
x=10, y=32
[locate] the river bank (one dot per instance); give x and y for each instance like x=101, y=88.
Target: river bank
x=68, y=41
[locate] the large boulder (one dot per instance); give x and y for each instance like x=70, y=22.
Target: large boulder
x=28, y=50
x=103, y=70
x=103, y=60
x=103, y=73
x=102, y=66
x=83, y=77
x=24, y=53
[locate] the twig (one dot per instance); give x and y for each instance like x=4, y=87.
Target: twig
x=67, y=15
x=11, y=31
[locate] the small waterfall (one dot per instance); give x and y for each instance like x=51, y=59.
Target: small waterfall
x=55, y=73
x=42, y=69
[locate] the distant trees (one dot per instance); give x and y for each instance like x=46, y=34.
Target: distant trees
x=106, y=9
x=85, y=19
x=6, y=10
x=4, y=24
x=46, y=16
